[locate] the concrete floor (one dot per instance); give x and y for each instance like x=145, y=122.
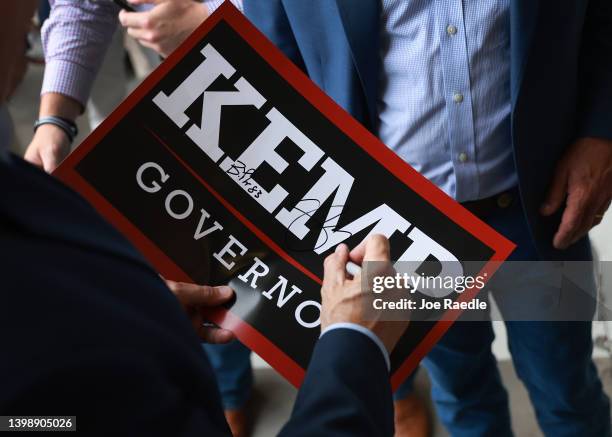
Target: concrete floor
x=273, y=397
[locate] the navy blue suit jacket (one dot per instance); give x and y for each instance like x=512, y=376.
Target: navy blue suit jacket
x=88, y=328
x=561, y=77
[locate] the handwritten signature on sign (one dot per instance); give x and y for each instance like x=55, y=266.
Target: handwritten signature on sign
x=307, y=207
x=243, y=175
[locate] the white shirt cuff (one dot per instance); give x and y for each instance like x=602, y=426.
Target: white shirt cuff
x=364, y=331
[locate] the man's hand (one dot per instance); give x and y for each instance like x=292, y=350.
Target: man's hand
x=50, y=144
x=48, y=148
x=583, y=181
x=343, y=298
x=195, y=297
x=166, y=26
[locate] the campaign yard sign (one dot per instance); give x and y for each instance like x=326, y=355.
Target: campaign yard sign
x=227, y=165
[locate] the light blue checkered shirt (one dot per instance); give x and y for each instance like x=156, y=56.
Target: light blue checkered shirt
x=444, y=104
x=75, y=38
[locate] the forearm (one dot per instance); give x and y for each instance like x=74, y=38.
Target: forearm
x=75, y=39
x=59, y=105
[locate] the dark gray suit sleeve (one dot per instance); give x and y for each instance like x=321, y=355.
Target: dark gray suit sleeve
x=346, y=391
x=119, y=392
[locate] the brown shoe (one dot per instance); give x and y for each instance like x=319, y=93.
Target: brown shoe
x=411, y=417
x=238, y=422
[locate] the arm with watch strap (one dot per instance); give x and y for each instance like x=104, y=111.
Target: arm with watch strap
x=75, y=38
x=54, y=131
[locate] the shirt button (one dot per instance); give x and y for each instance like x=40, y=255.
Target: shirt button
x=458, y=97
x=451, y=30
x=504, y=200
x=463, y=157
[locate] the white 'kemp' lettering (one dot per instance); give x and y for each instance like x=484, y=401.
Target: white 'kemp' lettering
x=335, y=181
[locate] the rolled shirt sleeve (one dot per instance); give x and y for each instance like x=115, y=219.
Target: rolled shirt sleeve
x=75, y=39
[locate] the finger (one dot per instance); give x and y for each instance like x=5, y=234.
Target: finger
x=556, y=193
x=605, y=208
x=571, y=219
x=150, y=45
x=599, y=214
x=597, y=221
x=589, y=211
x=155, y=47
x=215, y=335
x=203, y=295
x=200, y=295
x=34, y=158
x=135, y=20
x=377, y=248
x=218, y=295
x=143, y=36
x=583, y=229
x=175, y=287
x=335, y=266
x=356, y=255
x=589, y=203
x=50, y=158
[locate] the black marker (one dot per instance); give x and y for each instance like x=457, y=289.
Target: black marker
x=123, y=4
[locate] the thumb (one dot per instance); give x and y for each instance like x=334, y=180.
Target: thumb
x=199, y=295
x=334, y=266
x=214, y=296
x=556, y=193
x=377, y=248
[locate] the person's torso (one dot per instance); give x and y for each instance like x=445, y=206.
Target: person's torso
x=444, y=94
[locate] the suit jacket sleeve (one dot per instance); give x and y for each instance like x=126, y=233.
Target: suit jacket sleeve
x=595, y=111
x=346, y=391
x=114, y=391
x=92, y=330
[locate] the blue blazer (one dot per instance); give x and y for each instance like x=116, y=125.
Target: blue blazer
x=561, y=78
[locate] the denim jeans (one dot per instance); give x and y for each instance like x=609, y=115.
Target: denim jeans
x=232, y=365
x=552, y=359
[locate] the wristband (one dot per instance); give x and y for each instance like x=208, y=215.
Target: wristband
x=68, y=126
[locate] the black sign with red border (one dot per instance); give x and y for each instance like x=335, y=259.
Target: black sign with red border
x=227, y=165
